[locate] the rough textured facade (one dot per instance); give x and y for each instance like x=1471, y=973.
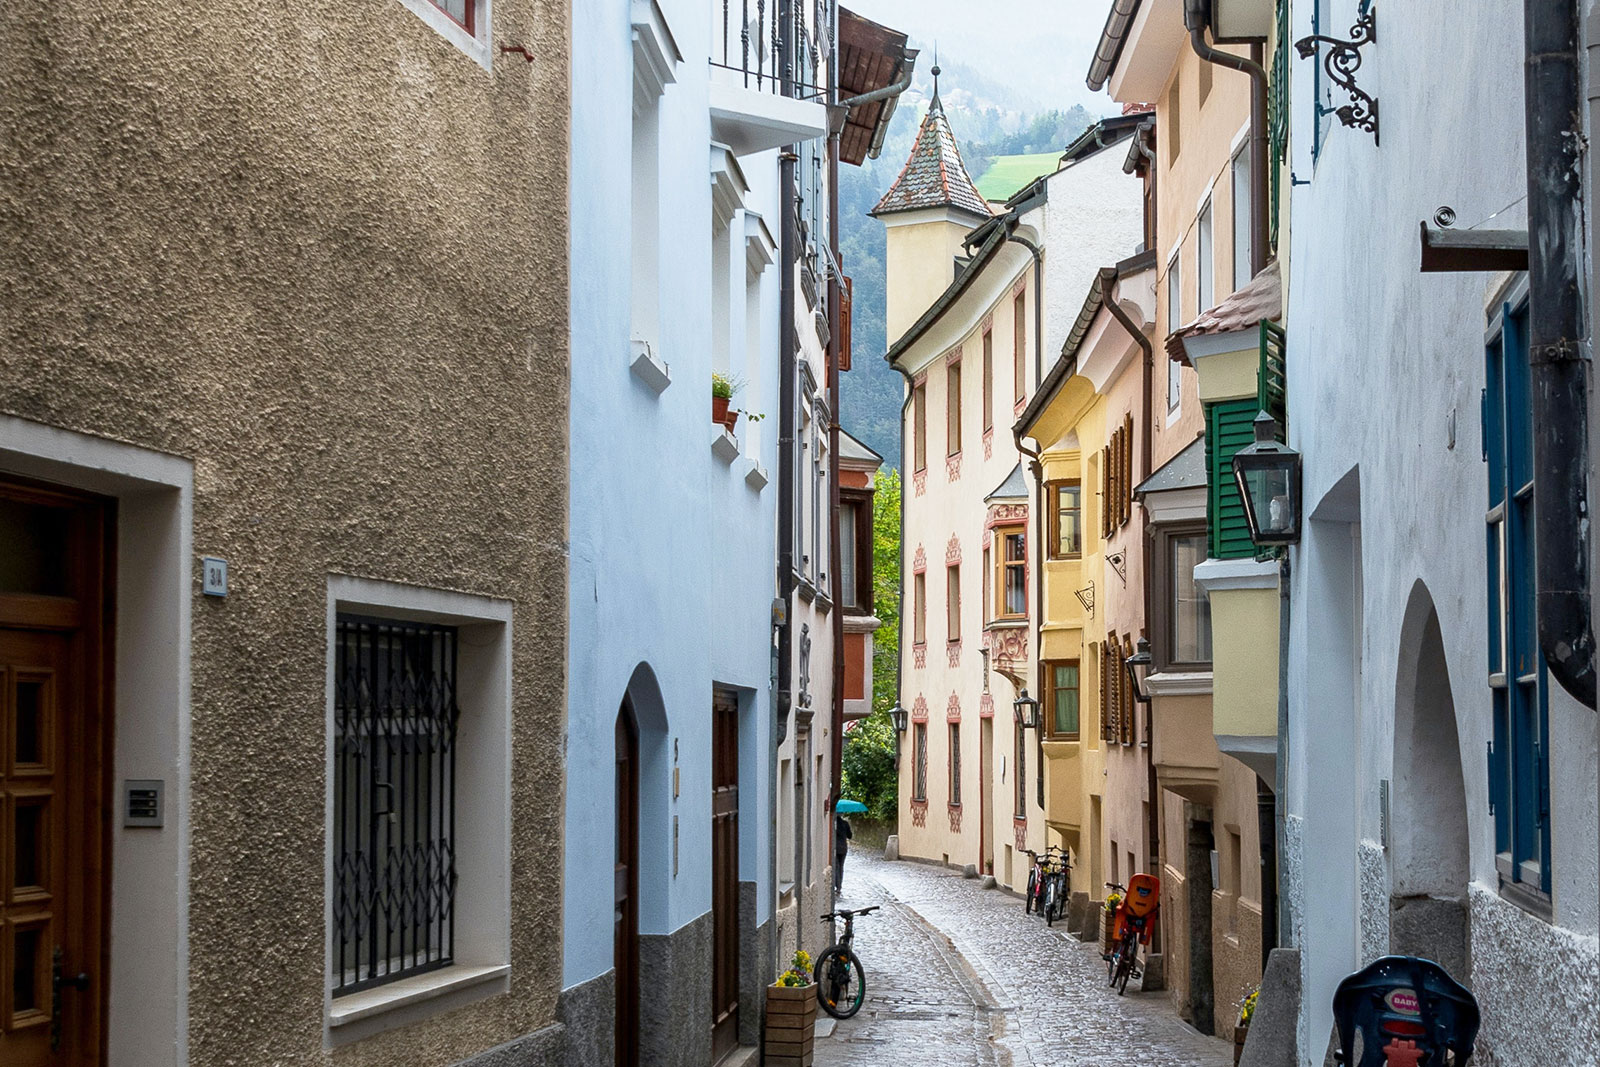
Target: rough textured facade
x=319, y=255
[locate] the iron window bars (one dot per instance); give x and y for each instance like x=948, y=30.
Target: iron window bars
x=395, y=717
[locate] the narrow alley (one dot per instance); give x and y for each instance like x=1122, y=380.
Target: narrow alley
x=958, y=975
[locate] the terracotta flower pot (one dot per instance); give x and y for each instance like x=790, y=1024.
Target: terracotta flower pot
x=730, y=419
x=791, y=1025
x=719, y=409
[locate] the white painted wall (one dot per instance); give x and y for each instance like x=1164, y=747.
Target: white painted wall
x=1094, y=219
x=1385, y=371
x=671, y=549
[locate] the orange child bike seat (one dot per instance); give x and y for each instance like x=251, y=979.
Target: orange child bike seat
x=1144, y=892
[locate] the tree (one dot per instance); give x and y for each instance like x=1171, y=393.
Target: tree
x=869, y=772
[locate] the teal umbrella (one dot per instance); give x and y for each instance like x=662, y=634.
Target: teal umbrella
x=850, y=807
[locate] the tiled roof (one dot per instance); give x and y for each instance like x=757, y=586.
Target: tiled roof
x=1261, y=300
x=934, y=175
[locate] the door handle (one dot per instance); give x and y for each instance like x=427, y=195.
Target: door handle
x=58, y=981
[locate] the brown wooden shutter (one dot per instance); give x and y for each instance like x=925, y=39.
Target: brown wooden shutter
x=1127, y=693
x=846, y=295
x=1105, y=491
x=1127, y=472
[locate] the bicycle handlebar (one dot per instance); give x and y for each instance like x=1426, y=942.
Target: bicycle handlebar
x=1116, y=885
x=849, y=912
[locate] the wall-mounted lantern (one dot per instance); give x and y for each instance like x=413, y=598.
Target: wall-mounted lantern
x=1025, y=710
x=1138, y=666
x=1268, y=475
x=900, y=719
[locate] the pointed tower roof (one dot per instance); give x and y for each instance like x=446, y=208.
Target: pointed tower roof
x=934, y=175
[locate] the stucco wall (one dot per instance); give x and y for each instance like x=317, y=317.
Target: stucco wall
x=1390, y=361
x=322, y=255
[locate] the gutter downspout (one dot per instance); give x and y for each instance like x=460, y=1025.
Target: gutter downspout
x=788, y=420
x=1557, y=346
x=1195, y=18
x=1108, y=280
x=835, y=568
x=1037, y=470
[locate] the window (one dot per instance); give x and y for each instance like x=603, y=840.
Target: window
x=988, y=593
x=464, y=23
x=1116, y=479
x=1188, y=608
x=919, y=744
x=1019, y=772
x=1206, y=71
x=1066, y=537
x=1019, y=352
x=1205, y=259
x=1108, y=694
x=645, y=226
x=819, y=497
x=953, y=602
x=952, y=407
x=919, y=425
x=988, y=380
x=855, y=550
x=955, y=764
x=1519, y=766
x=1241, y=217
x=1169, y=122
x=1125, y=690
x=394, y=793
x=1061, y=700
x=1174, y=322
x=461, y=12
x=1011, y=583
x=919, y=594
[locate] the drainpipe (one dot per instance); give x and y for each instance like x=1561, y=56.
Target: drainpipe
x=1037, y=470
x=1195, y=18
x=835, y=560
x=1557, y=346
x=788, y=420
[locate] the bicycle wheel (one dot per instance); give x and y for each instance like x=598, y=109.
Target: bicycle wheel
x=1125, y=956
x=841, y=983
x=1027, y=901
x=1052, y=905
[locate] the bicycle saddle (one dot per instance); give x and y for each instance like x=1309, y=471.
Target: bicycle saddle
x=1406, y=1005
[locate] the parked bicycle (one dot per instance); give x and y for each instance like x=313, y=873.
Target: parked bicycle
x=1401, y=1011
x=1132, y=923
x=841, y=982
x=1048, y=884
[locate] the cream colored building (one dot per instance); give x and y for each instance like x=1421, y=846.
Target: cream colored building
x=286, y=349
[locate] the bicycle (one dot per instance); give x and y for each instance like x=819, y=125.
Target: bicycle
x=841, y=983
x=1402, y=1011
x=1133, y=918
x=1054, y=891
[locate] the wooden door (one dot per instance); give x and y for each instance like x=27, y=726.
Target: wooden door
x=625, y=932
x=54, y=721
x=986, y=796
x=724, y=875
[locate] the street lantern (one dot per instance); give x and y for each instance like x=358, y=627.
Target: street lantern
x=1138, y=666
x=1025, y=710
x=899, y=717
x=1268, y=475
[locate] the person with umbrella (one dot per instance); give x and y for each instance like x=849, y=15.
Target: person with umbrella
x=841, y=837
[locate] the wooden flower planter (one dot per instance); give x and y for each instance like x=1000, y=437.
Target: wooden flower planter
x=1239, y=1034
x=791, y=1025
x=1108, y=925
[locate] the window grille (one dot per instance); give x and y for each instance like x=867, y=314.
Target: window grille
x=395, y=718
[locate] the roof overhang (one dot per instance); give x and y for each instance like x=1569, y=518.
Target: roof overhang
x=872, y=57
x=1137, y=49
x=1473, y=250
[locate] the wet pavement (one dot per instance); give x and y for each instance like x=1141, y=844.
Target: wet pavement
x=959, y=976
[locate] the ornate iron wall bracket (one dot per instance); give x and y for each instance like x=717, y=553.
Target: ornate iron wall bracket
x=1341, y=62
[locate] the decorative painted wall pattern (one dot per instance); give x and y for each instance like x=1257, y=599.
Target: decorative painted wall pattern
x=1020, y=287
x=952, y=467
x=919, y=560
x=919, y=709
x=955, y=817
x=952, y=710
x=1019, y=830
x=919, y=480
x=1006, y=514
x=952, y=653
x=986, y=706
x=919, y=656
x=988, y=444
x=1008, y=646
x=952, y=551
x=919, y=813
x=953, y=356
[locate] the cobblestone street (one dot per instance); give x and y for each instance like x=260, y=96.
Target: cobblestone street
x=958, y=976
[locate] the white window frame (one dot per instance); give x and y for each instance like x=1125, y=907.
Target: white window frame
x=475, y=45
x=1174, y=321
x=481, y=964
x=1205, y=258
x=1239, y=165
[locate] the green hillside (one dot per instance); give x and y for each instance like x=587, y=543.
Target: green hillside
x=1007, y=174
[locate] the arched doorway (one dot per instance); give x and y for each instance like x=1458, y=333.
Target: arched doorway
x=1429, y=845
x=625, y=932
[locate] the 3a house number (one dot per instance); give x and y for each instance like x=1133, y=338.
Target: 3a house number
x=214, y=576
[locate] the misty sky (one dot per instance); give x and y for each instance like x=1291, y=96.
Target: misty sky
x=1042, y=49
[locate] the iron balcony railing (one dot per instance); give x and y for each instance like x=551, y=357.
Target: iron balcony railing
x=775, y=46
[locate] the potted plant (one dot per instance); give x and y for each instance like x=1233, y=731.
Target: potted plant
x=723, y=386
x=1108, y=920
x=1247, y=1011
x=791, y=1015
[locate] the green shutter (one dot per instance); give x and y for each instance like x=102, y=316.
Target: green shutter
x=1228, y=429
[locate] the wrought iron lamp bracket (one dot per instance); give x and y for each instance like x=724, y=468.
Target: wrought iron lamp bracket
x=1086, y=598
x=1341, y=62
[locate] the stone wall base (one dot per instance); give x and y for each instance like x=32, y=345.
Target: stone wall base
x=588, y=1011
x=537, y=1049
